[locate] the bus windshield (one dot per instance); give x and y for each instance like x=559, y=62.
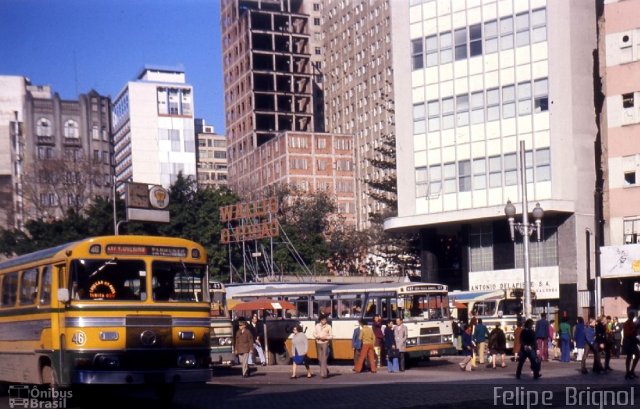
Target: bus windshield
x=430, y=306
x=178, y=281
x=108, y=279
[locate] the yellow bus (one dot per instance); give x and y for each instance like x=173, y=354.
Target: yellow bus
x=106, y=310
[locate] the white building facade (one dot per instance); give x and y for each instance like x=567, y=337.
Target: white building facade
x=153, y=125
x=472, y=79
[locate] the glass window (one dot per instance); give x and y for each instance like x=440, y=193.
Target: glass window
x=477, y=107
x=480, y=173
x=178, y=281
x=108, y=279
x=541, y=95
x=45, y=289
x=524, y=98
x=9, y=289
x=29, y=287
x=495, y=171
x=447, y=113
x=490, y=37
x=506, y=33
x=510, y=169
x=43, y=127
x=433, y=110
x=446, y=43
x=431, y=46
x=475, y=40
x=71, y=129
x=421, y=174
x=417, y=54
x=462, y=110
x=539, y=25
x=461, y=43
x=464, y=176
x=435, y=179
x=522, y=29
x=418, y=111
x=449, y=177
x=508, y=101
x=493, y=104
x=543, y=165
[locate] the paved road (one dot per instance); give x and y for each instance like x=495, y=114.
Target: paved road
x=437, y=384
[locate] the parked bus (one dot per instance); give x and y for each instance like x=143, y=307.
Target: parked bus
x=424, y=308
x=221, y=327
x=498, y=306
x=106, y=310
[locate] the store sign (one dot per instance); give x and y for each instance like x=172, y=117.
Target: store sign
x=147, y=203
x=249, y=221
x=545, y=281
x=620, y=261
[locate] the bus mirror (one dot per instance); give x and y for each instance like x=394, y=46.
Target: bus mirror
x=63, y=295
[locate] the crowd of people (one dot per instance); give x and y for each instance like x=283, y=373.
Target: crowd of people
x=538, y=341
x=377, y=344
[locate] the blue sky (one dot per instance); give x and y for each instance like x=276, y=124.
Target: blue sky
x=79, y=45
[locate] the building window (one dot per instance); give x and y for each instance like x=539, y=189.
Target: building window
x=316, y=6
x=491, y=37
x=431, y=48
x=477, y=107
x=495, y=171
x=541, y=95
x=462, y=110
x=446, y=51
x=461, y=43
x=481, y=247
x=435, y=179
x=524, y=98
x=422, y=182
x=631, y=231
x=475, y=40
x=479, y=173
x=316, y=21
x=539, y=25
x=630, y=178
x=43, y=127
x=71, y=129
x=449, y=178
x=628, y=100
x=508, y=101
x=464, y=176
x=510, y=169
x=543, y=165
x=220, y=155
x=493, y=104
x=447, y=113
x=522, y=29
x=417, y=54
x=318, y=51
x=433, y=111
x=418, y=119
x=506, y=33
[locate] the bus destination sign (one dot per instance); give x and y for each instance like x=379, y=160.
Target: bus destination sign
x=137, y=250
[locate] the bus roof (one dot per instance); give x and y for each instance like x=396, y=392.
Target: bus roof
x=278, y=289
x=465, y=296
x=384, y=287
x=35, y=256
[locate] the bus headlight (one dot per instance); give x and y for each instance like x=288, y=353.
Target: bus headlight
x=447, y=338
x=222, y=341
x=187, y=361
x=412, y=341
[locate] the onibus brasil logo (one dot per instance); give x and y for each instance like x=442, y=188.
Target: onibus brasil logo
x=31, y=397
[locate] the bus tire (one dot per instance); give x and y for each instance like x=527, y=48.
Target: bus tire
x=282, y=358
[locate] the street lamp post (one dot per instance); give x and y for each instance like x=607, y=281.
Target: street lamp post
x=525, y=228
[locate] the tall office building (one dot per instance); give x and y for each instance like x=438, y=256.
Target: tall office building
x=211, y=156
x=472, y=79
x=271, y=91
x=153, y=128
x=358, y=87
x=59, y=151
x=619, y=45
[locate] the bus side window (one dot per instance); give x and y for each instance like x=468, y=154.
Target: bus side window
x=9, y=289
x=29, y=287
x=45, y=286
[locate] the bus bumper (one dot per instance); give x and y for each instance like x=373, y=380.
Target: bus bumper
x=170, y=376
x=223, y=359
x=433, y=350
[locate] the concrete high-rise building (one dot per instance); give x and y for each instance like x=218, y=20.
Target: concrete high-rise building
x=211, y=156
x=358, y=86
x=272, y=89
x=153, y=128
x=59, y=151
x=471, y=80
x=619, y=57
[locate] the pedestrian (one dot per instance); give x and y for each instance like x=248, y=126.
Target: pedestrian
x=542, y=336
x=378, y=332
x=257, y=330
x=480, y=335
x=630, y=346
x=455, y=329
x=368, y=340
x=401, y=334
x=565, y=340
x=323, y=334
x=467, y=348
x=591, y=347
x=602, y=343
x=497, y=346
x=243, y=344
x=617, y=337
x=391, y=351
x=528, y=346
x=299, y=346
x=356, y=343
x=579, y=339
x=516, y=340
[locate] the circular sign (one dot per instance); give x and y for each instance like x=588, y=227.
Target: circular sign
x=159, y=197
